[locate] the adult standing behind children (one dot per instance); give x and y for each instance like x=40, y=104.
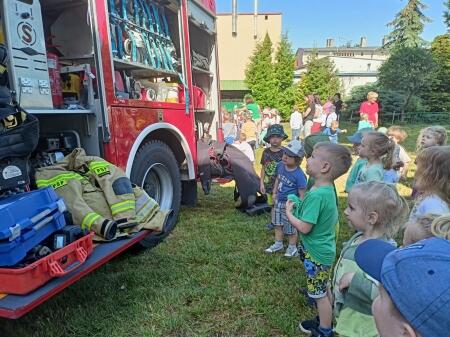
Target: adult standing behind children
x=319, y=115
x=296, y=123
x=270, y=158
x=308, y=115
x=316, y=222
x=338, y=104
x=371, y=108
x=290, y=179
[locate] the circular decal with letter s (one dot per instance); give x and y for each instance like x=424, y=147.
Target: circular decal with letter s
x=26, y=33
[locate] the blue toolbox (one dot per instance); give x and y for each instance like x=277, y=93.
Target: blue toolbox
x=26, y=220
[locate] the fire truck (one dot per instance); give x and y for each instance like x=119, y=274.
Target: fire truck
x=132, y=81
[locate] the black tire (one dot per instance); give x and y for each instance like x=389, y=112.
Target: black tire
x=155, y=169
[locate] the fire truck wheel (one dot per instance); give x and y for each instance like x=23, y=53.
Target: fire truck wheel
x=156, y=170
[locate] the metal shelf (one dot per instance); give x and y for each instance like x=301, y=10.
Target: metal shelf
x=198, y=70
x=205, y=111
x=140, y=70
x=59, y=111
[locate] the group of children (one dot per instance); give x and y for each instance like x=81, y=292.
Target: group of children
x=240, y=126
x=324, y=120
x=307, y=208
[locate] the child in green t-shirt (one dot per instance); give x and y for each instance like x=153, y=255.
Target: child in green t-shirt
x=317, y=227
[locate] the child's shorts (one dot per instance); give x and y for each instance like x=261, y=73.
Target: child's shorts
x=279, y=218
x=318, y=276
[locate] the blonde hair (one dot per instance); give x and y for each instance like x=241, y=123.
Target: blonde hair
x=372, y=94
x=433, y=171
x=441, y=227
x=336, y=123
x=383, y=199
x=438, y=132
x=338, y=156
x=397, y=132
x=364, y=117
x=382, y=146
x=432, y=225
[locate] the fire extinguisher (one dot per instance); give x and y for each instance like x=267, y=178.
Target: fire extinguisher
x=54, y=72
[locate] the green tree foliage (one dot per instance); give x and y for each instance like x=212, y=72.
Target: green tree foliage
x=391, y=101
x=407, y=27
x=447, y=15
x=259, y=74
x=284, y=77
x=320, y=78
x=437, y=98
x=408, y=70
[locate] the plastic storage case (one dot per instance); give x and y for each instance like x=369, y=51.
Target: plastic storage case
x=60, y=263
x=26, y=220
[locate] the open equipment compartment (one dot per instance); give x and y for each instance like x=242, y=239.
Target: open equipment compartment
x=62, y=44
x=203, y=40
x=146, y=50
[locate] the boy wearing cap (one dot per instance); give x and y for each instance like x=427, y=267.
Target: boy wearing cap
x=290, y=179
x=316, y=223
x=414, y=290
x=270, y=158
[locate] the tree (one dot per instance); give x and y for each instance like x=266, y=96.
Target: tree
x=284, y=77
x=320, y=78
x=447, y=15
x=408, y=70
x=259, y=74
x=408, y=25
x=438, y=97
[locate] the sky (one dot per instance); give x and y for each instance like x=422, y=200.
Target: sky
x=310, y=22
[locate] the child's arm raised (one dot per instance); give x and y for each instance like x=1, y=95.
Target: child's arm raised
x=302, y=226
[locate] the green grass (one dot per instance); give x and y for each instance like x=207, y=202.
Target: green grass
x=209, y=278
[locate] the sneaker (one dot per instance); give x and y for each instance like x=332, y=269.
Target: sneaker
x=318, y=333
x=274, y=248
x=270, y=226
x=291, y=251
x=309, y=326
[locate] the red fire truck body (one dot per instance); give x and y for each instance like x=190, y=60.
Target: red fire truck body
x=143, y=118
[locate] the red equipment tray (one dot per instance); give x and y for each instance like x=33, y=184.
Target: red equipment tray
x=15, y=306
x=21, y=281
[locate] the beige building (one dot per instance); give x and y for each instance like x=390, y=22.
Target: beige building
x=235, y=48
x=356, y=65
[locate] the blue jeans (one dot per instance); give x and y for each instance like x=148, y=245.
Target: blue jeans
x=296, y=133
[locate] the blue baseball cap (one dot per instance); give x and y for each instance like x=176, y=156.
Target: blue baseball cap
x=357, y=137
x=417, y=279
x=294, y=149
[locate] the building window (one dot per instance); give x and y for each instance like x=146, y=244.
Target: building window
x=266, y=17
x=368, y=66
x=362, y=54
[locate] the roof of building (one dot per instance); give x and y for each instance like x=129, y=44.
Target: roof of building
x=232, y=85
x=249, y=13
x=339, y=49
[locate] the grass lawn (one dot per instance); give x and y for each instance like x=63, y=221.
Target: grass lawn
x=209, y=278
